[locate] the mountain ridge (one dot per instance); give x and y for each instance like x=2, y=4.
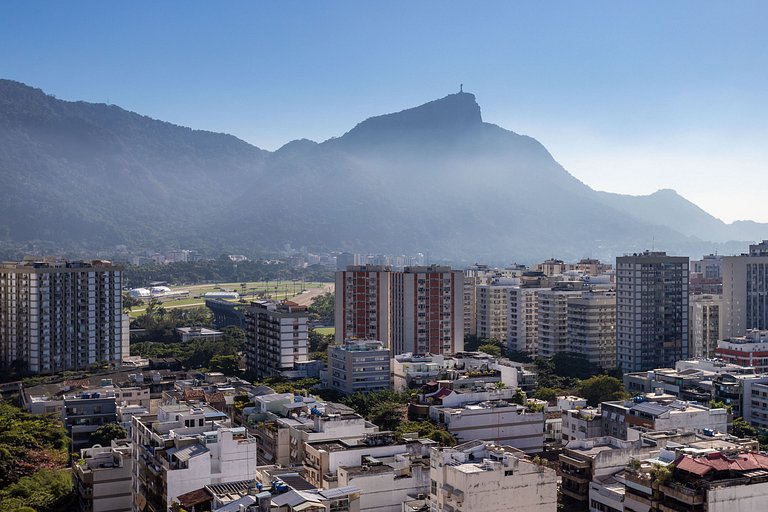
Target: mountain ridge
x=435, y=178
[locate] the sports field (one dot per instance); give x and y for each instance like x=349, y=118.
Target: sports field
x=301, y=292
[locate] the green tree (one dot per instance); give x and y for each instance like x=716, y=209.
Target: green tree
x=322, y=308
x=601, y=388
x=547, y=394
x=490, y=349
x=742, y=428
x=519, y=397
x=388, y=415
x=46, y=490
x=228, y=365
x=105, y=434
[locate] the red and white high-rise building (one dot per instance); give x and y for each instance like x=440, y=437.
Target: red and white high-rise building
x=419, y=310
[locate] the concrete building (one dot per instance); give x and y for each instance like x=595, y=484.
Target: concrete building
x=593, y=469
x=226, y=313
x=523, y=321
x=185, y=449
x=413, y=371
x=625, y=419
x=709, y=266
x=592, y=327
x=363, y=303
x=58, y=315
x=428, y=310
x=276, y=337
x=85, y=413
x=716, y=483
x=102, y=478
x=749, y=350
x=322, y=459
x=651, y=311
x=584, y=423
x=358, y=366
x=418, y=310
x=474, y=276
x=492, y=308
x=707, y=326
x=745, y=290
x=483, y=476
x=385, y=483
x=187, y=334
x=553, y=318
x=500, y=421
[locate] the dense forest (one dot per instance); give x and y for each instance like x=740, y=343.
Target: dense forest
x=33, y=455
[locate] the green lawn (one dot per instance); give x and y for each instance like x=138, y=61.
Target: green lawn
x=325, y=330
x=277, y=290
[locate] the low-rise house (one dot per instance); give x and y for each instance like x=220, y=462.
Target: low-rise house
x=499, y=421
x=386, y=483
x=102, y=478
x=358, y=366
x=584, y=423
x=186, y=448
x=483, y=476
x=624, y=419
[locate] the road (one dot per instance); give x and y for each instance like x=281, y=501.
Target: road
x=305, y=299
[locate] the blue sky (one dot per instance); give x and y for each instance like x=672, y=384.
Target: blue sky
x=629, y=96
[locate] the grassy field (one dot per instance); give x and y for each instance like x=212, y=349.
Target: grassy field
x=277, y=290
x=325, y=330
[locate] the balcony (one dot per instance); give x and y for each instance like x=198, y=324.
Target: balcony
x=682, y=494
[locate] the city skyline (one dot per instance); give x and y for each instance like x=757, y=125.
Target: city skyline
x=667, y=93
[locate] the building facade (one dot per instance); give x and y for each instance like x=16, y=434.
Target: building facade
x=58, y=315
x=480, y=475
x=745, y=290
x=419, y=310
x=358, y=366
x=651, y=311
x=706, y=325
x=276, y=337
x=592, y=327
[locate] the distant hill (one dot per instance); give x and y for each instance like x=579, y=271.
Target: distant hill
x=433, y=178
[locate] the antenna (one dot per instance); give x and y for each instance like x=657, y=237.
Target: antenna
x=461, y=88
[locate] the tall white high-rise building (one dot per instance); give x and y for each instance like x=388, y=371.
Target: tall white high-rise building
x=707, y=325
x=592, y=327
x=58, y=315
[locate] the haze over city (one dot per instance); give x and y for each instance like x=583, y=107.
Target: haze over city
x=629, y=98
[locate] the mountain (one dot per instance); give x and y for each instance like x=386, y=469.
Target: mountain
x=434, y=178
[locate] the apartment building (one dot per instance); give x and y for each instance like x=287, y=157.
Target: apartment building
x=750, y=349
x=419, y=310
x=480, y=475
x=363, y=305
x=102, y=478
x=523, y=318
x=58, y=315
x=624, y=419
x=553, y=318
x=492, y=308
x=707, y=324
x=276, y=337
x=186, y=448
x=745, y=290
x=323, y=459
x=386, y=483
x=651, y=311
x=497, y=420
x=358, y=366
x=592, y=327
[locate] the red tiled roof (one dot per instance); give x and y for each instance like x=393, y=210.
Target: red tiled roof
x=718, y=462
x=194, y=394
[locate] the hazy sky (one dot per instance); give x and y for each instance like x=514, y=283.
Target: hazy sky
x=629, y=96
